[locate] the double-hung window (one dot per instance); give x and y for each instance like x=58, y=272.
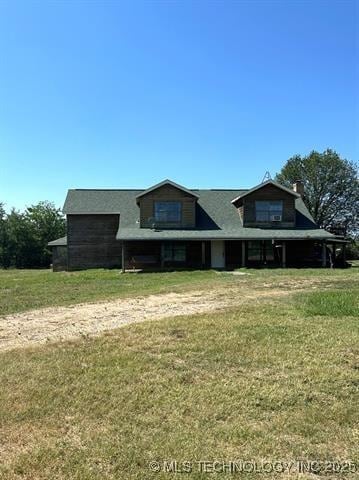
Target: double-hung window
x=267, y=211
x=168, y=212
x=174, y=252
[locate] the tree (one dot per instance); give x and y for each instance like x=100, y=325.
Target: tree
x=22, y=243
x=24, y=236
x=5, y=260
x=331, y=187
x=49, y=224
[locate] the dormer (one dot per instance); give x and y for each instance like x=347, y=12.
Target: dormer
x=268, y=205
x=167, y=205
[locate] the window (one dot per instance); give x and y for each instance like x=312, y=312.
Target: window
x=168, y=212
x=254, y=252
x=266, y=209
x=261, y=252
x=174, y=252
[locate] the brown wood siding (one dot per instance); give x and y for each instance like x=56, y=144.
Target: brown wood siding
x=168, y=193
x=240, y=211
x=92, y=243
x=59, y=258
x=269, y=192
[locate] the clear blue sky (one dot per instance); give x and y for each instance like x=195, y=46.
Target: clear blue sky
x=208, y=93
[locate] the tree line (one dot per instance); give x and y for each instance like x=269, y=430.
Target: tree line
x=24, y=235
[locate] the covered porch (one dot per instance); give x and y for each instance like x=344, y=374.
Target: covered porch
x=286, y=253
x=158, y=255
x=231, y=254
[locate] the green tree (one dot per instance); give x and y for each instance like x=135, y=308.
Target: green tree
x=49, y=224
x=331, y=187
x=24, y=236
x=22, y=244
x=5, y=257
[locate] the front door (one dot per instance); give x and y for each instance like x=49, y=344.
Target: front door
x=217, y=254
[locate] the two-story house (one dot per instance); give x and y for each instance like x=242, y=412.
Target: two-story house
x=170, y=226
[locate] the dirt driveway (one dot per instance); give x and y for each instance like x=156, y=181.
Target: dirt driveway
x=62, y=323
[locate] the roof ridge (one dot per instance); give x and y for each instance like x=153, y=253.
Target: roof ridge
x=223, y=189
x=264, y=184
x=106, y=189
x=143, y=189
x=162, y=184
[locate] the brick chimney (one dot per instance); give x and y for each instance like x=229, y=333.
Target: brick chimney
x=298, y=187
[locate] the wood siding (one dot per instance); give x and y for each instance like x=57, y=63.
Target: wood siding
x=59, y=258
x=247, y=210
x=92, y=243
x=163, y=194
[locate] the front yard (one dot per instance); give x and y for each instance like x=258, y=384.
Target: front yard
x=23, y=290
x=272, y=378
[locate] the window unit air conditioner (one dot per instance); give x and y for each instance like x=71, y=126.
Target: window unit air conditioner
x=276, y=218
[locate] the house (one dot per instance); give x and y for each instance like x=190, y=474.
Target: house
x=169, y=226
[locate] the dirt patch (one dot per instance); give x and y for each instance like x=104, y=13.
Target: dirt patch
x=62, y=323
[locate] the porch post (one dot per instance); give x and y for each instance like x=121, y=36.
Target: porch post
x=344, y=254
x=243, y=253
x=203, y=259
x=284, y=254
x=331, y=256
x=324, y=254
x=162, y=255
x=123, y=256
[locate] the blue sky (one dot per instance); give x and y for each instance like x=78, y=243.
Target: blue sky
x=107, y=94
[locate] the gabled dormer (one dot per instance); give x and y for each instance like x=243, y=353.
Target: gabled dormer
x=167, y=205
x=268, y=205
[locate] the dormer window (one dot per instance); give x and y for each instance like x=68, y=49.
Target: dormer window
x=269, y=211
x=168, y=212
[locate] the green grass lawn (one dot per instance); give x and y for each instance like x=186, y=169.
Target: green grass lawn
x=275, y=380
x=22, y=290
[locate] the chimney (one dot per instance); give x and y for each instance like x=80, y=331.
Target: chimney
x=298, y=187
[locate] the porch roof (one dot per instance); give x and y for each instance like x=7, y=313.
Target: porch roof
x=59, y=242
x=228, y=234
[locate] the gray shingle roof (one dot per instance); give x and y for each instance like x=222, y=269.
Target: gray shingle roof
x=261, y=185
x=60, y=242
x=216, y=217
x=166, y=182
x=100, y=201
